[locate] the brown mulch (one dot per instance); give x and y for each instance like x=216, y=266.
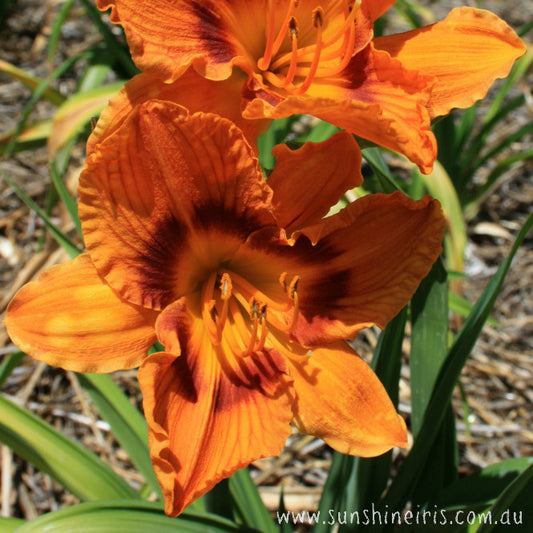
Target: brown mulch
x=496, y=381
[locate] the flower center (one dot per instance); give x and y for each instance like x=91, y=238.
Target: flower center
x=229, y=298
x=290, y=64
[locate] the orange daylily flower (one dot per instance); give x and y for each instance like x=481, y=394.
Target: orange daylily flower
x=245, y=284
x=320, y=58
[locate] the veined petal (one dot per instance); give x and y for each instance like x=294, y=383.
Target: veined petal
x=210, y=413
x=308, y=181
x=167, y=198
x=167, y=36
x=375, y=97
x=367, y=262
x=465, y=52
x=191, y=91
x=340, y=400
x=70, y=318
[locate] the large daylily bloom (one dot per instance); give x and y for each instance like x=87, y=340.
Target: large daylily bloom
x=319, y=57
x=245, y=284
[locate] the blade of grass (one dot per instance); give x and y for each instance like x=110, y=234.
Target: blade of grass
x=59, y=236
x=429, y=336
x=127, y=517
x=401, y=488
x=114, y=47
x=8, y=364
x=38, y=94
x=33, y=83
x=8, y=525
x=55, y=35
x=127, y=423
x=429, y=317
x=248, y=506
x=374, y=158
x=521, y=486
x=71, y=465
x=67, y=200
x=32, y=136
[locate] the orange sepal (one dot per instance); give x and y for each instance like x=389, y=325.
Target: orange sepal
x=191, y=91
x=465, y=52
x=209, y=412
x=308, y=181
x=70, y=318
x=375, y=97
x=340, y=400
x=365, y=265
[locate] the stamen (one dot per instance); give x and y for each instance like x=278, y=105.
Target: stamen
x=318, y=19
x=208, y=307
x=264, y=328
x=293, y=29
x=254, y=315
x=225, y=290
x=272, y=45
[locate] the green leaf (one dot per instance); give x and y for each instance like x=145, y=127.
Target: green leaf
x=248, y=506
x=55, y=35
x=429, y=337
x=115, y=49
x=481, y=488
x=8, y=525
x=76, y=113
x=38, y=93
x=59, y=236
x=126, y=517
x=31, y=82
x=127, y=423
x=70, y=464
x=519, y=489
x=8, y=364
x=68, y=201
x=32, y=136
x=401, y=488
x=374, y=158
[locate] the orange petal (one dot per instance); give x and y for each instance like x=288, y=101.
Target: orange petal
x=209, y=413
x=166, y=199
x=466, y=52
x=166, y=37
x=367, y=262
x=70, y=318
x=376, y=98
x=308, y=181
x=340, y=400
x=191, y=91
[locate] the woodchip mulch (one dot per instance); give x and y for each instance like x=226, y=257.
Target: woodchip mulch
x=496, y=381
